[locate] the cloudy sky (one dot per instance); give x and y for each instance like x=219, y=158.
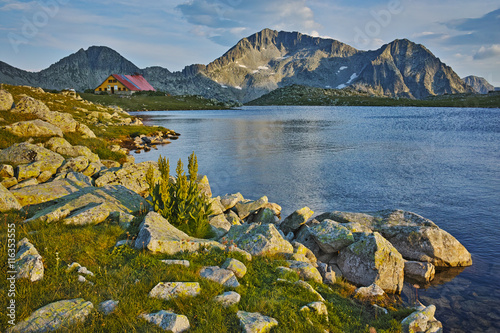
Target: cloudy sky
x=36, y=33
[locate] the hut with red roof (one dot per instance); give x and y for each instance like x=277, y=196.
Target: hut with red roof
x=124, y=84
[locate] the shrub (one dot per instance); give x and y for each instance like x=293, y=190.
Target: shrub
x=181, y=201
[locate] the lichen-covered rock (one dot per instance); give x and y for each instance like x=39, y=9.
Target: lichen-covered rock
x=108, y=307
x=63, y=147
x=6, y=100
x=29, y=264
x=237, y=267
x=222, y=276
x=30, y=105
x=219, y=225
x=75, y=164
x=9, y=182
x=244, y=209
x=331, y=236
x=305, y=238
x=316, y=307
x=6, y=171
x=306, y=271
x=258, y=239
x=255, y=322
x=234, y=248
x=8, y=201
x=419, y=271
x=422, y=321
x=57, y=315
x=370, y=291
x=293, y=222
x=265, y=215
x=31, y=159
x=228, y=299
x=132, y=176
x=169, y=290
x=158, y=236
x=230, y=200
x=204, y=186
x=92, y=205
x=34, y=128
x=168, y=321
x=302, y=253
x=184, y=263
x=216, y=206
x=25, y=183
x=373, y=259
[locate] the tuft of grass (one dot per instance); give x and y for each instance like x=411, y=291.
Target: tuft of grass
x=97, y=146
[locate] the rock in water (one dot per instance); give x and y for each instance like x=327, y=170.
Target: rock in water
x=168, y=321
x=373, y=259
x=7, y=200
x=422, y=321
x=54, y=316
x=29, y=264
x=419, y=271
x=159, y=236
x=255, y=322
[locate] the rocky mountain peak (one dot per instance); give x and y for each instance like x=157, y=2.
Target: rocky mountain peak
x=479, y=84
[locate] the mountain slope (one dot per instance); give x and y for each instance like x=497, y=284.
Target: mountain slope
x=479, y=84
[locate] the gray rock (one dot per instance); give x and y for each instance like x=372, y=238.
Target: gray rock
x=255, y=322
x=63, y=147
x=258, y=239
x=222, y=276
x=75, y=164
x=158, y=236
x=232, y=218
x=219, y=225
x=6, y=100
x=237, y=267
x=230, y=200
x=34, y=128
x=373, y=260
x=216, y=206
x=422, y=321
x=233, y=248
x=228, y=299
x=168, y=321
x=204, y=185
x=244, y=209
x=316, y=307
x=302, y=253
x=8, y=201
x=24, y=183
x=331, y=236
x=169, y=290
x=370, y=291
x=305, y=238
x=92, y=205
x=29, y=264
x=306, y=271
x=54, y=316
x=293, y=222
x=328, y=275
x=132, y=176
x=419, y=271
x=9, y=182
x=265, y=215
x=184, y=263
x=30, y=105
x=108, y=307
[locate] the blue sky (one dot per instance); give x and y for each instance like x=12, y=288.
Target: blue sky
x=36, y=33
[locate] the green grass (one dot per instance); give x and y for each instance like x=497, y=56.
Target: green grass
x=127, y=275
x=156, y=102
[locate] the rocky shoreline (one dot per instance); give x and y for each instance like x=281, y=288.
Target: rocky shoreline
x=56, y=182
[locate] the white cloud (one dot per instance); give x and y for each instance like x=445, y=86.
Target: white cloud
x=11, y=5
x=487, y=52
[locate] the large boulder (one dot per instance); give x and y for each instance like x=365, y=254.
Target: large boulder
x=32, y=106
x=422, y=320
x=63, y=147
x=230, y=200
x=219, y=225
x=92, y=205
x=422, y=272
x=331, y=236
x=373, y=259
x=306, y=271
x=168, y=321
x=255, y=322
x=296, y=219
x=132, y=176
x=258, y=239
x=31, y=159
x=245, y=208
x=34, y=128
x=29, y=264
x=54, y=316
x=36, y=194
x=6, y=100
x=7, y=200
x=158, y=236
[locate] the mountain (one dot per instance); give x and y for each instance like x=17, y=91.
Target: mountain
x=261, y=63
x=479, y=84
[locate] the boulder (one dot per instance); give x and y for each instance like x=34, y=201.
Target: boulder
x=255, y=322
x=54, y=316
x=305, y=238
x=258, y=239
x=63, y=147
x=29, y=264
x=422, y=321
x=158, y=236
x=92, y=205
x=9, y=182
x=34, y=128
x=8, y=201
x=232, y=218
x=168, y=321
x=422, y=272
x=31, y=160
x=108, y=307
x=306, y=271
x=32, y=106
x=222, y=276
x=265, y=215
x=316, y=307
x=216, y=206
x=302, y=253
x=370, y=291
x=235, y=249
x=296, y=219
x=75, y=164
x=230, y=200
x=33, y=195
x=237, y=267
x=204, y=185
x=327, y=273
x=184, y=263
x=373, y=259
x=228, y=299
x=6, y=171
x=6, y=100
x=244, y=209
x=24, y=183
x=169, y=290
x=132, y=176
x=331, y=236
x=219, y=225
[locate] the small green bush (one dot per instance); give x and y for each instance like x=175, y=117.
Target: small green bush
x=181, y=201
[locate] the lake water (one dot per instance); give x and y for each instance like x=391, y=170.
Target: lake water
x=442, y=163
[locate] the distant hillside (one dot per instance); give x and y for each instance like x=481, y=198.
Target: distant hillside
x=479, y=84
x=261, y=63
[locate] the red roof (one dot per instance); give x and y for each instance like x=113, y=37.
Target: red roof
x=134, y=82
